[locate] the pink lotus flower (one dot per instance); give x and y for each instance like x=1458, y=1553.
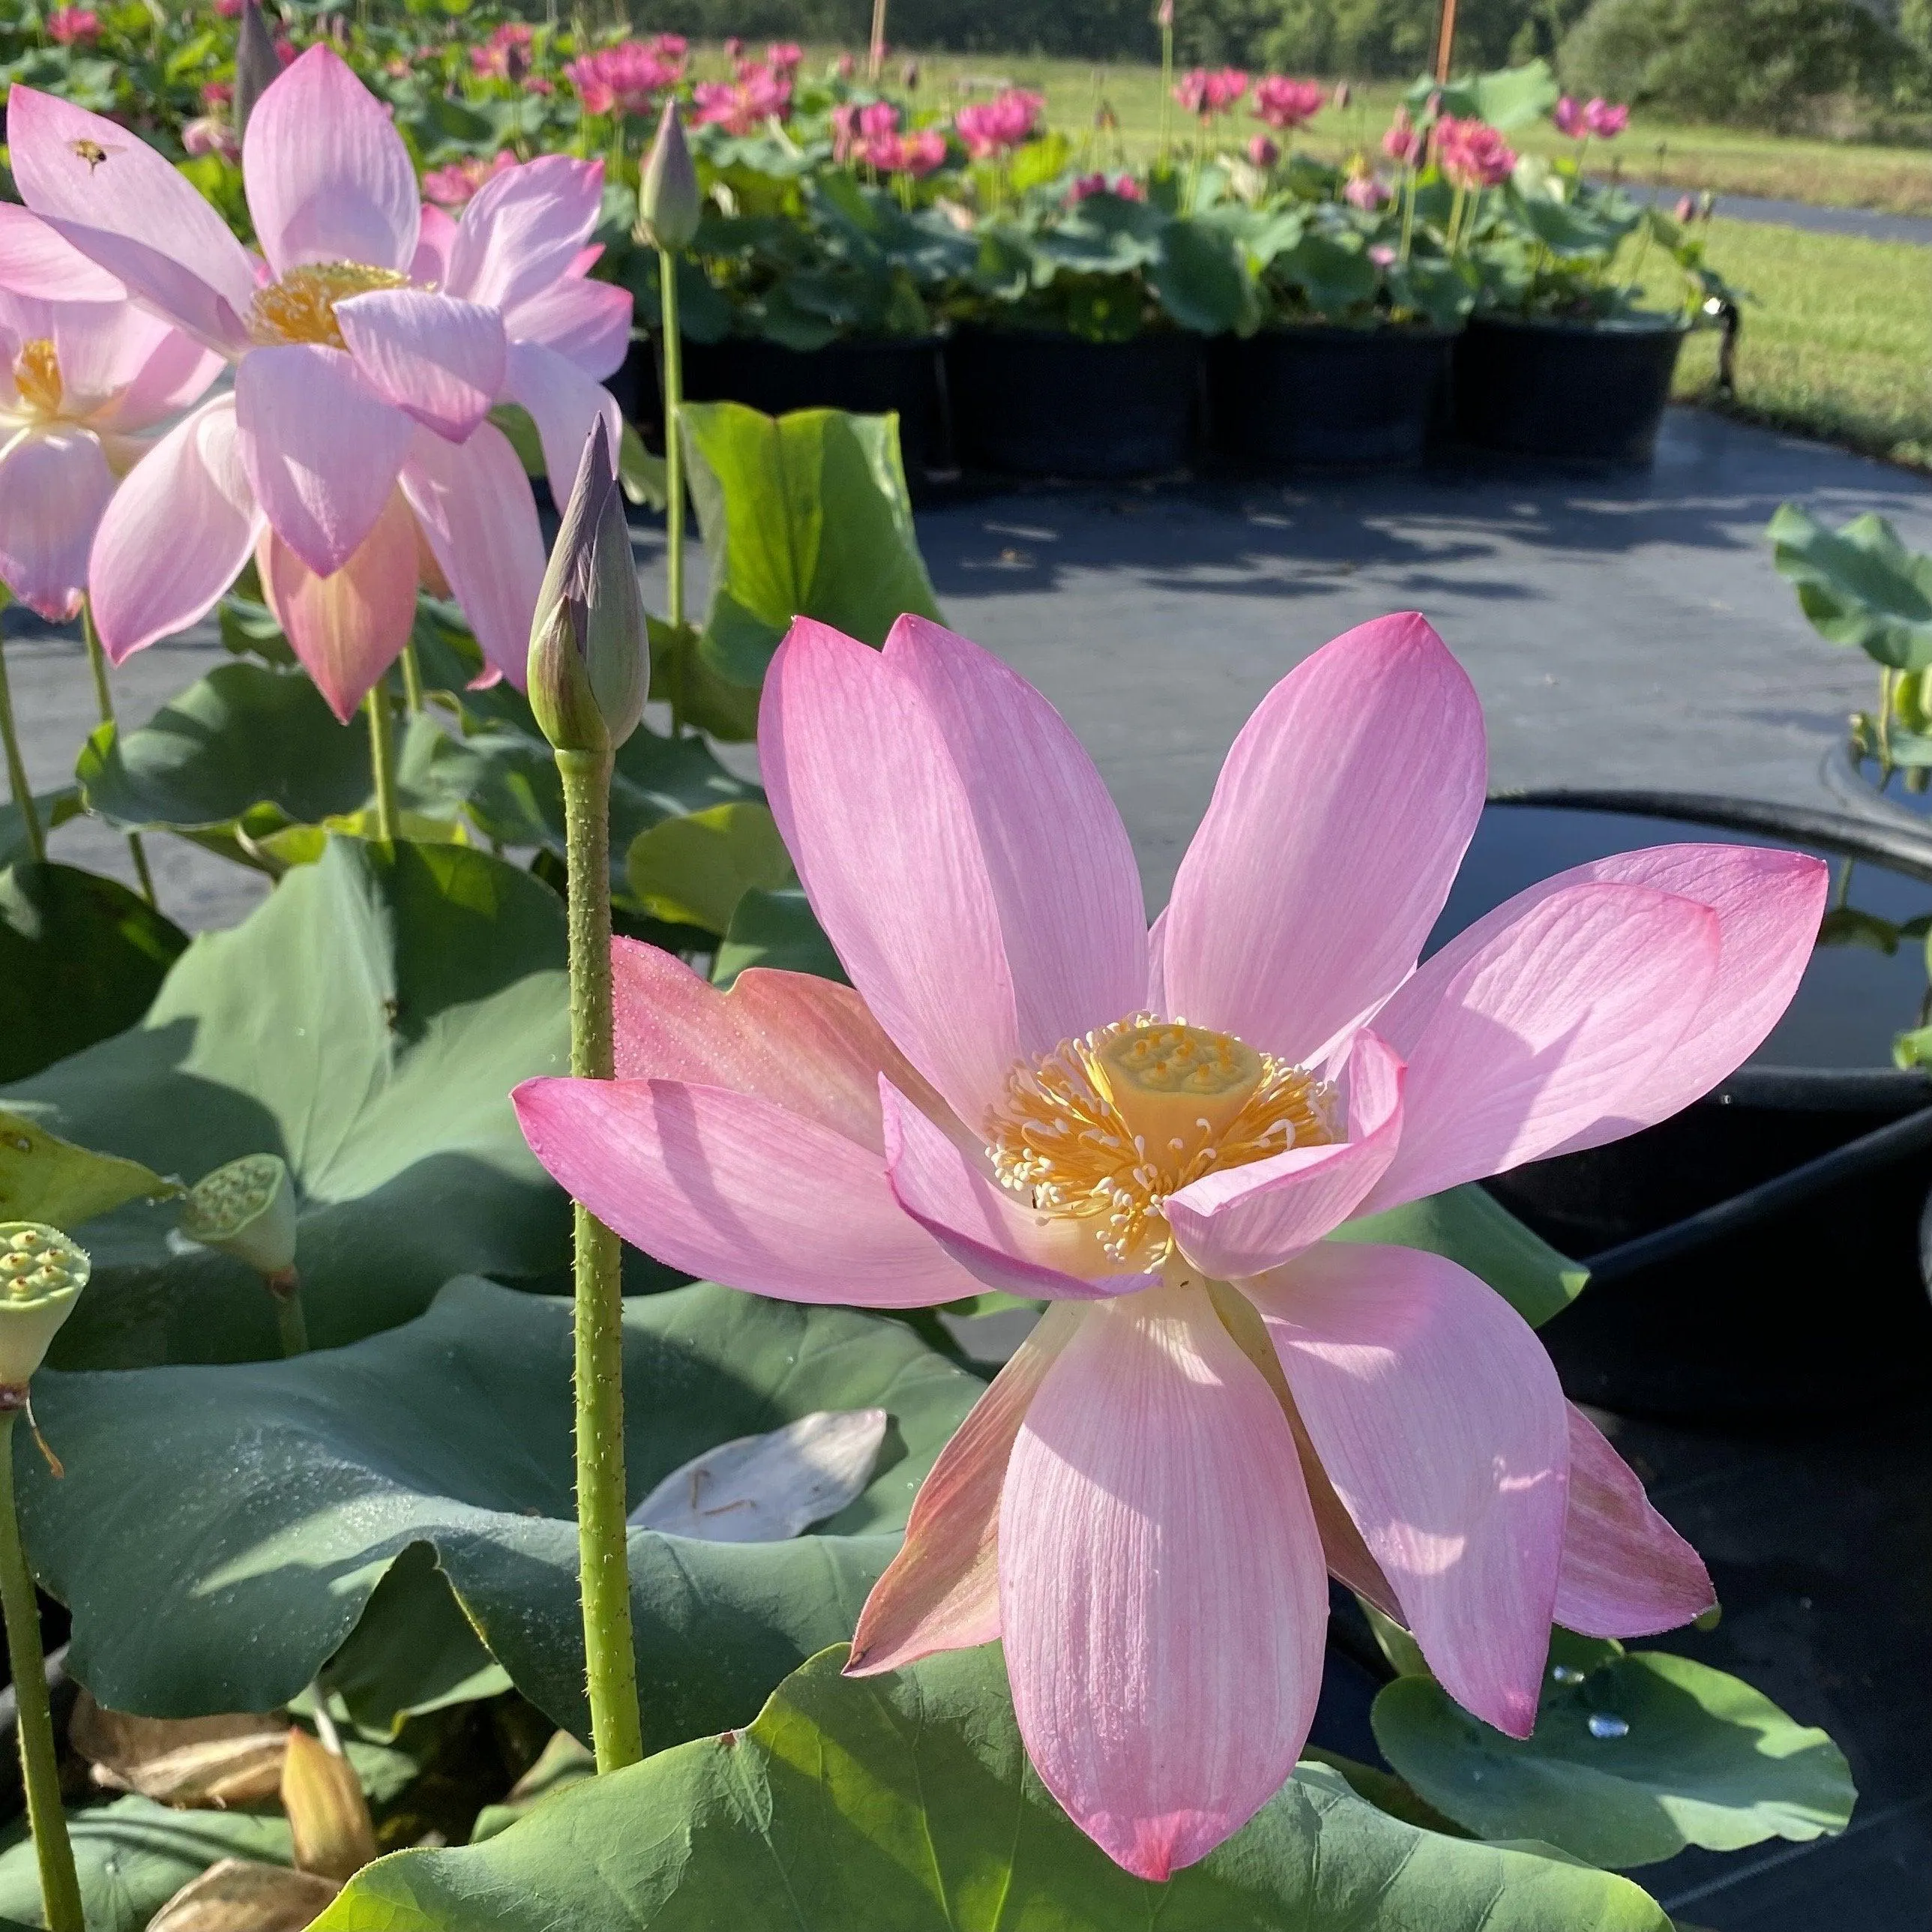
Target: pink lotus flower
x=627, y=79
x=846, y=66
x=1220, y=1408
x=354, y=432
x=997, y=126
x=72, y=26
x=1382, y=254
x=917, y=154
x=877, y=117
x=1606, y=121
x=1362, y=190
x=211, y=134
x=453, y=186
x=85, y=372
x=1262, y=152
x=217, y=95
x=1284, y=104
x=743, y=106
x=1571, y=118
x=1123, y=187
x=1403, y=142
x=231, y=9
x=785, y=57
x=1471, y=154
x=1209, y=94
x=505, y=54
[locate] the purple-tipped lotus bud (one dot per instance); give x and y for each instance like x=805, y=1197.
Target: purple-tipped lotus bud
x=667, y=200
x=256, y=63
x=1163, y=15
x=41, y=1275
x=589, y=650
x=245, y=1208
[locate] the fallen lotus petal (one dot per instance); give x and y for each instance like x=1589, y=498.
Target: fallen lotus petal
x=328, y=1815
x=194, y=1763
x=239, y=1895
x=765, y=1489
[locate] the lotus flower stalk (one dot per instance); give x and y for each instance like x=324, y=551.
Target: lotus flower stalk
x=16, y=768
x=103, y=700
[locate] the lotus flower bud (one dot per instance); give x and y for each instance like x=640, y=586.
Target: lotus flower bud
x=41, y=1275
x=256, y=63
x=247, y=1209
x=589, y=651
x=667, y=201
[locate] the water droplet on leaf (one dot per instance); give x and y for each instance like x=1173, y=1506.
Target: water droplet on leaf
x=1566, y=1673
x=1602, y=1724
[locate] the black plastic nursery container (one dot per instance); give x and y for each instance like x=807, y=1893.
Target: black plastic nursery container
x=1031, y=402
x=1573, y=391
x=1733, y=1279
x=1322, y=396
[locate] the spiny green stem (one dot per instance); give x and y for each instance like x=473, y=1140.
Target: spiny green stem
x=104, y=699
x=603, y=1553
x=674, y=403
x=383, y=761
x=16, y=769
x=60, y=1888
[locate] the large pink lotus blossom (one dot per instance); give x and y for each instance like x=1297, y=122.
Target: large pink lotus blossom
x=629, y=78
x=85, y=374
x=354, y=437
x=1025, y=1089
x=785, y=57
x=1471, y=154
x=744, y=105
x=1402, y=141
x=916, y=153
x=1284, y=104
x=997, y=126
x=1208, y=93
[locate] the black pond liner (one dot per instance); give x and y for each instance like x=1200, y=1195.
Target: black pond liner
x=1321, y=396
x=1030, y=403
x=1757, y=1255
x=1572, y=391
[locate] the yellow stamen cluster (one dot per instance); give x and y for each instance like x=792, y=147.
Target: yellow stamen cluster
x=301, y=308
x=36, y=1262
x=1107, y=1126
x=37, y=377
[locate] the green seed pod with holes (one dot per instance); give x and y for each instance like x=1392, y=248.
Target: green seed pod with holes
x=246, y=1209
x=41, y=1275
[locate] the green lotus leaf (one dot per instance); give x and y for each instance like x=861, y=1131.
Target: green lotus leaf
x=221, y=1530
x=1859, y=585
x=906, y=1801
x=776, y=929
x=366, y=1023
x=693, y=870
x=45, y=1178
x=80, y=958
x=51, y=808
x=1635, y=1755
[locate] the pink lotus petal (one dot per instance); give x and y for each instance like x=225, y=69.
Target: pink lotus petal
x=806, y=1044
x=429, y=267
x=587, y=323
x=1626, y=1572
x=322, y=448
x=36, y=260
x=942, y=1590
x=1768, y=903
x=1348, y=1557
x=349, y=628
x=478, y=518
x=328, y=176
x=1162, y=1597
x=439, y=360
x=173, y=374
x=731, y=1187
x=179, y=529
x=98, y=346
x=53, y=487
x=1535, y=1036
x=1248, y=1220
x=985, y=1229
x=1335, y=828
x=131, y=213
x=564, y=404
x=864, y=790
x=523, y=230
x=1057, y=856
x=1440, y=1422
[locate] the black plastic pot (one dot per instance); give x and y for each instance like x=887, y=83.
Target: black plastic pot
x=1320, y=397
x=1032, y=403
x=1735, y=1278
x=1571, y=391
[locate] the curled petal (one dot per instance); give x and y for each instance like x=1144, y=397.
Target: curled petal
x=731, y=1187
x=587, y=323
x=564, y=404
x=38, y=261
x=1334, y=833
x=942, y=1590
x=523, y=228
x=1162, y=1597
x=429, y=268
x=53, y=487
x=439, y=360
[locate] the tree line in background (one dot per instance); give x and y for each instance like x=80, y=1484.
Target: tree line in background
x=1839, y=65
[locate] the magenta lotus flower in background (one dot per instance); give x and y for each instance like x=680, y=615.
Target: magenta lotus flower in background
x=1025, y=1089
x=505, y=54
x=1571, y=118
x=1122, y=186
x=1286, y=104
x=629, y=78
x=1261, y=151
x=353, y=440
x=85, y=374
x=456, y=184
x=74, y=26
x=1209, y=93
x=916, y=153
x=1607, y=121
x=1471, y=155
x=743, y=105
x=997, y=126
x=1403, y=142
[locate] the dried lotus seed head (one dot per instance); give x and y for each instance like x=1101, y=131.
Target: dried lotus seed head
x=247, y=1209
x=42, y=1273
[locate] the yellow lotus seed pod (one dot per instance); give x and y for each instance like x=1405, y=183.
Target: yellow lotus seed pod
x=41, y=1275
x=246, y=1209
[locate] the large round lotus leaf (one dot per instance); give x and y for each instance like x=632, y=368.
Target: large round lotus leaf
x=1635, y=1757
x=904, y=1804
x=80, y=958
x=366, y=1023
x=220, y=1530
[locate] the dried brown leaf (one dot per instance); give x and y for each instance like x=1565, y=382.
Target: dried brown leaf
x=238, y=1895
x=195, y=1763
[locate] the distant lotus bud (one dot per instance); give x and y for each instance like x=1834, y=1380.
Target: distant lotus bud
x=668, y=202
x=1163, y=15
x=846, y=66
x=256, y=63
x=41, y=1275
x=1342, y=96
x=246, y=1208
x=1687, y=208
x=589, y=655
x=909, y=76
